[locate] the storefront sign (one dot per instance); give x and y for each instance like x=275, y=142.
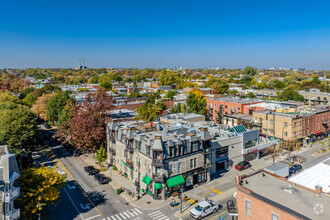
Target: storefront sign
x=259, y=147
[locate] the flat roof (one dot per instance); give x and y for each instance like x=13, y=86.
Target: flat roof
x=301, y=202
x=317, y=175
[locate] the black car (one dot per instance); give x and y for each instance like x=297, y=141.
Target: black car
x=88, y=168
x=101, y=179
x=93, y=171
x=296, y=168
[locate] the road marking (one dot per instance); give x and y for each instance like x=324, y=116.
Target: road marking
x=84, y=206
x=61, y=164
x=215, y=190
x=138, y=211
x=118, y=217
x=108, y=218
x=92, y=217
x=127, y=215
x=122, y=215
x=162, y=218
x=134, y=212
x=226, y=185
x=71, y=187
x=217, y=215
x=131, y=214
x=154, y=212
x=192, y=199
x=113, y=218
x=73, y=203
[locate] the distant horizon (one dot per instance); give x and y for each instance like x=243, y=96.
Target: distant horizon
x=164, y=34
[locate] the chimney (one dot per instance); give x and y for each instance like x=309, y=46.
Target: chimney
x=83, y=63
x=318, y=189
x=79, y=62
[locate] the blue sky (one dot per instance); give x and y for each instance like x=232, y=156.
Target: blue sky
x=165, y=33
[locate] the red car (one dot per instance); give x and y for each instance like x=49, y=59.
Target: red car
x=243, y=165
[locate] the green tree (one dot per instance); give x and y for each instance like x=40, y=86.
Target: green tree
x=167, y=78
x=220, y=86
x=106, y=85
x=196, y=102
x=287, y=95
x=160, y=106
x=17, y=125
x=66, y=114
x=146, y=112
x=250, y=95
x=170, y=94
x=31, y=98
x=55, y=106
x=250, y=71
x=26, y=92
x=39, y=187
x=101, y=155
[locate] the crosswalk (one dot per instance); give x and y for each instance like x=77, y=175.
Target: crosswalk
x=158, y=215
x=131, y=213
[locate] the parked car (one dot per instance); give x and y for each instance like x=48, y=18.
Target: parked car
x=296, y=168
x=88, y=168
x=243, y=165
x=93, y=171
x=204, y=208
x=101, y=179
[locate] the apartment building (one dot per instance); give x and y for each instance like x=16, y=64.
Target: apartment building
x=303, y=124
x=263, y=195
x=9, y=174
x=315, y=97
x=267, y=93
x=229, y=105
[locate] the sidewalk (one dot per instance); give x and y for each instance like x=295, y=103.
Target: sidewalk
x=117, y=181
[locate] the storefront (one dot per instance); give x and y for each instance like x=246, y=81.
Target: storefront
x=174, y=184
x=157, y=191
x=221, y=164
x=146, y=179
x=256, y=152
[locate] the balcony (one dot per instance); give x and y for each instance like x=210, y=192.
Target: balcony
x=112, y=152
x=13, y=194
x=130, y=164
x=112, y=139
x=207, y=151
x=157, y=163
x=14, y=215
x=129, y=148
x=157, y=178
x=207, y=165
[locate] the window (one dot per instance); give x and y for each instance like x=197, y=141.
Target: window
x=170, y=168
x=171, y=151
x=195, y=162
x=238, y=109
x=215, y=105
x=233, y=108
x=274, y=217
x=149, y=168
x=191, y=163
x=248, y=207
x=179, y=167
x=180, y=147
x=300, y=132
x=271, y=121
x=260, y=120
x=295, y=134
x=285, y=124
x=225, y=106
x=285, y=134
x=295, y=124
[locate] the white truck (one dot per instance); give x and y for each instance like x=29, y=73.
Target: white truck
x=204, y=208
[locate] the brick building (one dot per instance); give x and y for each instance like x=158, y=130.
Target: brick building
x=262, y=195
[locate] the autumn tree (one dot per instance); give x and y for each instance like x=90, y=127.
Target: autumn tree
x=39, y=187
x=196, y=102
x=86, y=128
x=40, y=107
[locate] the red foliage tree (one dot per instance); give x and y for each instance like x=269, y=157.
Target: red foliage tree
x=88, y=123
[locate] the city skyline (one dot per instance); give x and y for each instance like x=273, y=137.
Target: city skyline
x=191, y=34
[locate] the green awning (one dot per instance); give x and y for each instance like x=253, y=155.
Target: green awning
x=126, y=165
x=146, y=179
x=174, y=181
x=158, y=186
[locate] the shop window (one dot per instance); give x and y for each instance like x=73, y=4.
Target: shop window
x=250, y=143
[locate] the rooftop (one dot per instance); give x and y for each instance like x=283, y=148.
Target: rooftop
x=292, y=199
